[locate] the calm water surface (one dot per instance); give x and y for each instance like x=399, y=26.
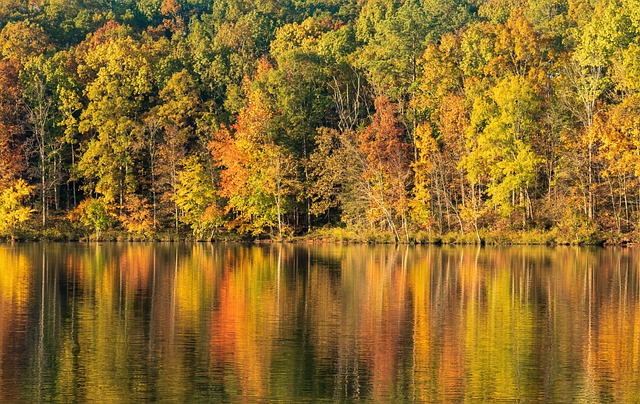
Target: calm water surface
x=202, y=322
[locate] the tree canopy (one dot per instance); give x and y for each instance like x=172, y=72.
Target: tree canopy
x=388, y=117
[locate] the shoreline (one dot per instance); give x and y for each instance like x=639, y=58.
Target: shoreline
x=335, y=236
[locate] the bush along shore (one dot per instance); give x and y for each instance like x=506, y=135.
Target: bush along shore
x=67, y=231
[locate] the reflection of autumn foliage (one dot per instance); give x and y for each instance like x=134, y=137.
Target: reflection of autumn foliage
x=243, y=330
x=611, y=351
x=420, y=281
x=382, y=308
x=15, y=288
x=136, y=264
x=295, y=323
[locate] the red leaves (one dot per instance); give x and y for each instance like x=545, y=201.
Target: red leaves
x=11, y=155
x=381, y=142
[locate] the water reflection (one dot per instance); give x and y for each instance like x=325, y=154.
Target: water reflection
x=296, y=323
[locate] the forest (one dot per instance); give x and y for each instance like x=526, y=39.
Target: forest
x=350, y=120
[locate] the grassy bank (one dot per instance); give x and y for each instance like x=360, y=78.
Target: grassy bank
x=63, y=230
x=485, y=236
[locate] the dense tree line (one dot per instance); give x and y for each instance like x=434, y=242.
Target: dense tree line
x=389, y=117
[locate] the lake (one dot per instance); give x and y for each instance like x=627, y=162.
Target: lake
x=295, y=323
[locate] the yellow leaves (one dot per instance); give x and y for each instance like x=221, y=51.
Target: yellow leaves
x=507, y=49
x=420, y=204
x=518, y=44
x=609, y=29
x=181, y=99
x=477, y=48
x=327, y=164
x=500, y=142
x=497, y=11
x=302, y=36
x=121, y=72
x=517, y=103
x=120, y=75
x=442, y=72
x=69, y=105
x=425, y=143
x=23, y=39
x=196, y=196
x=627, y=69
x=620, y=136
x=13, y=211
x=263, y=68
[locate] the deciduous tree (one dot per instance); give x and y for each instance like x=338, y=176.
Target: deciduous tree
x=13, y=208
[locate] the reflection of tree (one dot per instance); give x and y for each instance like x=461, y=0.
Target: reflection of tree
x=420, y=281
x=527, y=322
x=191, y=322
x=243, y=329
x=614, y=339
x=382, y=313
x=359, y=310
x=124, y=320
x=15, y=287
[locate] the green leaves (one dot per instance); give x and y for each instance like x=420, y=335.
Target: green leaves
x=95, y=214
x=501, y=152
x=394, y=44
x=120, y=83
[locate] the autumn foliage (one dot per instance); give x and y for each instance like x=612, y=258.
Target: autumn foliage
x=391, y=120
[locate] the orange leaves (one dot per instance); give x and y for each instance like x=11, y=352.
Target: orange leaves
x=136, y=215
x=170, y=7
x=381, y=142
x=453, y=121
x=228, y=155
x=387, y=174
x=258, y=174
x=234, y=152
x=517, y=44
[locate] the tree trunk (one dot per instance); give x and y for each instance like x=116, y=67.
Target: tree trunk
x=44, y=192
